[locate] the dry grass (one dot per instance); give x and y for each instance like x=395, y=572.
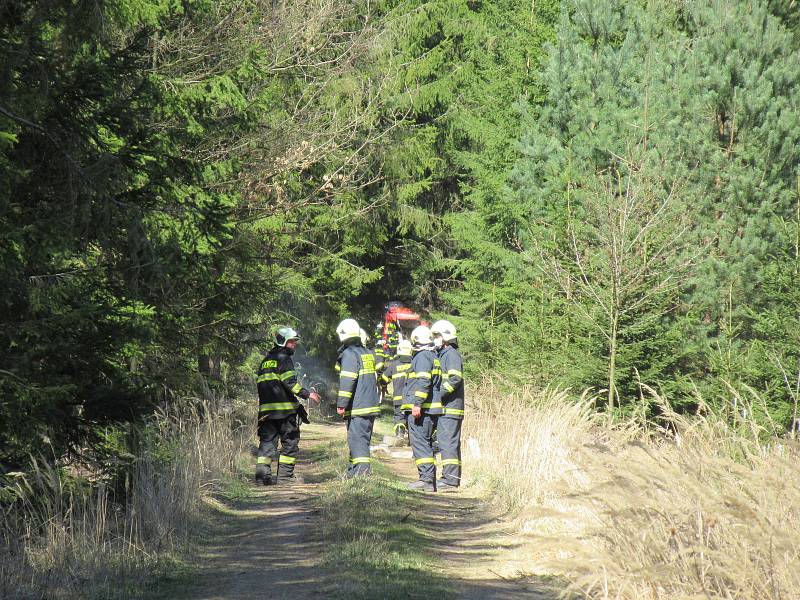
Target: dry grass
x=522, y=446
x=62, y=540
x=701, y=509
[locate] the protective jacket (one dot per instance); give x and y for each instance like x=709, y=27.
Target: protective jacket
x=452, y=382
x=392, y=337
x=278, y=386
x=395, y=374
x=382, y=358
x=423, y=384
x=358, y=381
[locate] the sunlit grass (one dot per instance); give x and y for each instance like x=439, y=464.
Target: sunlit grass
x=62, y=540
x=699, y=508
x=373, y=541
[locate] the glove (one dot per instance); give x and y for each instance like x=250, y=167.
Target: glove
x=302, y=413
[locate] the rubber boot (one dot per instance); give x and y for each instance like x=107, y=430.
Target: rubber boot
x=424, y=486
x=264, y=474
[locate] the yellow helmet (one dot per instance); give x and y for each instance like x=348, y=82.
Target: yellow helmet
x=404, y=348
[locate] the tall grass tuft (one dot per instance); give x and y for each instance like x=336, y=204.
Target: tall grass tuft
x=696, y=507
x=522, y=445
x=64, y=537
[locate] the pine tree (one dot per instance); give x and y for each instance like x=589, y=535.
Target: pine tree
x=714, y=106
x=462, y=67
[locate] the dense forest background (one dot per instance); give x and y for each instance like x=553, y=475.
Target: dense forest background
x=598, y=193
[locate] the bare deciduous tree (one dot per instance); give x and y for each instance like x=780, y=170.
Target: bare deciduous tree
x=317, y=82
x=626, y=254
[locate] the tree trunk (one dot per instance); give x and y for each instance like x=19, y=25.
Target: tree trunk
x=612, y=364
x=209, y=366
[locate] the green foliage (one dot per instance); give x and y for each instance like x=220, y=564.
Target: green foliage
x=682, y=84
x=169, y=191
x=461, y=68
x=177, y=178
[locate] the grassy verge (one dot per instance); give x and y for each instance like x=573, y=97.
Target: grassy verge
x=704, y=508
x=106, y=536
x=373, y=542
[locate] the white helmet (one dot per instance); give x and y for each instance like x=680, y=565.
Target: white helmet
x=421, y=336
x=348, y=329
x=445, y=329
x=404, y=348
x=363, y=335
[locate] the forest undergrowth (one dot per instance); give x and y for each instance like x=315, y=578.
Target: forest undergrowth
x=688, y=506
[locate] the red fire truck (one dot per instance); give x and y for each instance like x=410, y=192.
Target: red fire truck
x=398, y=318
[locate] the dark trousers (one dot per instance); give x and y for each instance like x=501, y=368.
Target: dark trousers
x=359, y=435
x=269, y=432
x=449, y=437
x=421, y=432
x=400, y=420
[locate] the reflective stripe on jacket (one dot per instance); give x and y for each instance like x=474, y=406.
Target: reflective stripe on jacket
x=358, y=382
x=452, y=382
x=278, y=386
x=423, y=383
x=395, y=375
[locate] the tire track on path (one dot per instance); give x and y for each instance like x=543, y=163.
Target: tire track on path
x=480, y=553
x=269, y=545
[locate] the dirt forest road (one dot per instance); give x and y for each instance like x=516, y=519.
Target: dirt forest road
x=269, y=546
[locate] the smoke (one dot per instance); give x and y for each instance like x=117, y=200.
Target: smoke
x=315, y=374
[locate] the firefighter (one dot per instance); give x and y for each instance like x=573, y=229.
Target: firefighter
x=380, y=367
x=381, y=351
x=380, y=355
x=392, y=338
x=394, y=377
x=422, y=394
x=379, y=341
x=277, y=411
x=452, y=393
x=357, y=400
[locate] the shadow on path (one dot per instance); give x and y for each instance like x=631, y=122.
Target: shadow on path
x=269, y=545
x=472, y=541
x=266, y=546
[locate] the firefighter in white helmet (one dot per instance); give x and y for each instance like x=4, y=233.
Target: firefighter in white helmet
x=452, y=393
x=357, y=399
x=421, y=394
